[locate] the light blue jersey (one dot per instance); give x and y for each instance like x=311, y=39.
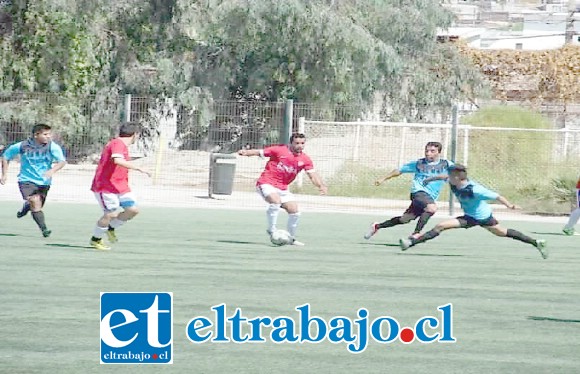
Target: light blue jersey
x=423, y=170
x=35, y=160
x=472, y=198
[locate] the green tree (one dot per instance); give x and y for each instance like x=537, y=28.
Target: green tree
x=340, y=52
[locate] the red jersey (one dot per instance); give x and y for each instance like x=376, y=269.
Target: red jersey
x=110, y=177
x=283, y=166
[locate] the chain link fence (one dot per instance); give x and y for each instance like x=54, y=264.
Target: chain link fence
x=533, y=167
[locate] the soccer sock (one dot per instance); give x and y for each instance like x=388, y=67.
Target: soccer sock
x=98, y=232
x=423, y=219
x=390, y=223
x=515, y=234
x=431, y=234
x=293, y=223
x=25, y=208
x=116, y=223
x=272, y=213
x=573, y=220
x=39, y=219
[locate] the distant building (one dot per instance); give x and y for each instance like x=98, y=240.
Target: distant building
x=515, y=28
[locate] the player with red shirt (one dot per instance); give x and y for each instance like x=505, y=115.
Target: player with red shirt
x=111, y=185
x=284, y=164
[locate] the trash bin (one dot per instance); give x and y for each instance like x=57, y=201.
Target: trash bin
x=221, y=174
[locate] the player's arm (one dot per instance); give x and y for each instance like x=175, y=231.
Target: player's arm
x=251, y=152
x=56, y=167
x=317, y=181
x=4, y=175
x=58, y=155
x=128, y=165
x=440, y=177
x=393, y=174
x=505, y=202
x=8, y=155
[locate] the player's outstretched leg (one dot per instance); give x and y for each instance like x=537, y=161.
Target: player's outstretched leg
x=372, y=230
x=431, y=234
x=399, y=220
x=412, y=241
x=540, y=244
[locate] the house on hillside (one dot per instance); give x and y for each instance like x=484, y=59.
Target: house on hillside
x=539, y=28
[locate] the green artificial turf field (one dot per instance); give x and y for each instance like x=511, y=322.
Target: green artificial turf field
x=512, y=310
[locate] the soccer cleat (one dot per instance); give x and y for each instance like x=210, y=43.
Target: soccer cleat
x=568, y=231
x=405, y=244
x=98, y=244
x=112, y=236
x=541, y=245
x=24, y=211
x=46, y=233
x=373, y=230
x=21, y=213
x=297, y=243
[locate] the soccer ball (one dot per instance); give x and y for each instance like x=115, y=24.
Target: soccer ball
x=281, y=237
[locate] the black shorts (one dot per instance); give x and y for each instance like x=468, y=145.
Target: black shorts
x=419, y=201
x=28, y=189
x=468, y=222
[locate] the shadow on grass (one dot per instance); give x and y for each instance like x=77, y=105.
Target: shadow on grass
x=241, y=242
x=552, y=233
x=550, y=319
x=380, y=244
x=411, y=254
x=1, y=234
x=59, y=245
x=429, y=254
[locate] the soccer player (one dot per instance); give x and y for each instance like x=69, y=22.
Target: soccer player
x=111, y=186
x=477, y=212
x=575, y=215
x=423, y=195
x=285, y=162
x=40, y=158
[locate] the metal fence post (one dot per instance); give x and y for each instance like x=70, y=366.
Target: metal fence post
x=454, y=125
x=302, y=130
x=287, y=127
x=126, y=114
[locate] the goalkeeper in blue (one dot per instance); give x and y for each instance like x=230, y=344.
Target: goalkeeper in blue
x=472, y=197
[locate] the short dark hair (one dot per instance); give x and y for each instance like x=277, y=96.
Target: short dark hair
x=437, y=145
x=298, y=135
x=128, y=129
x=40, y=127
x=460, y=170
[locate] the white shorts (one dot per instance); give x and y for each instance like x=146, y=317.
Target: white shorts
x=267, y=189
x=110, y=202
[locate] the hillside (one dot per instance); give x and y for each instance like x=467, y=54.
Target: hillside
x=539, y=76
